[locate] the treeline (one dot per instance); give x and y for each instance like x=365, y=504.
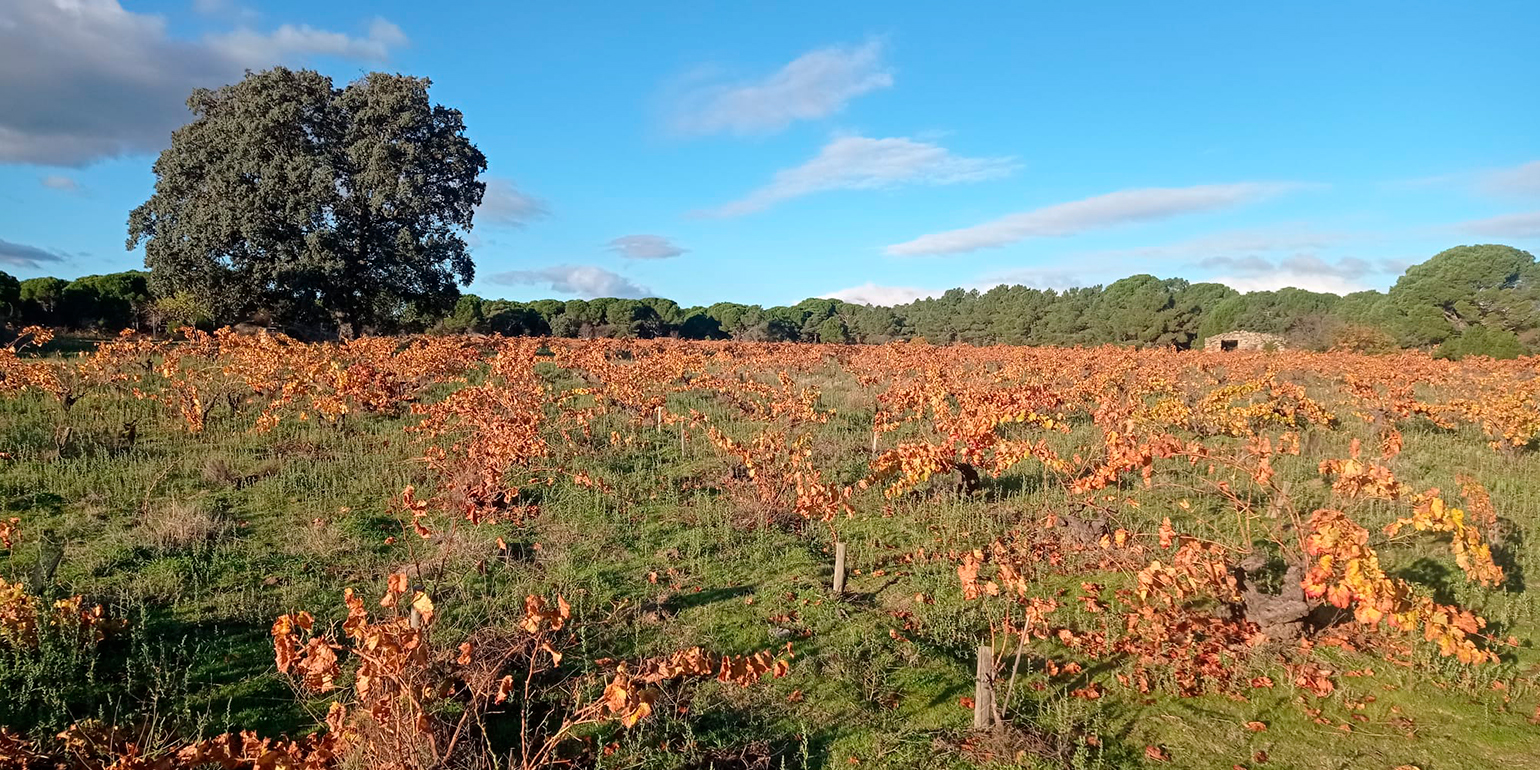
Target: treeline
x=1467, y=300
x=112, y=301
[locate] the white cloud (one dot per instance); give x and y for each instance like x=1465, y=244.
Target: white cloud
x=61, y=183
x=861, y=163
x=1520, y=180
x=1099, y=212
x=22, y=255
x=83, y=80
x=814, y=85
x=1522, y=225
x=585, y=281
x=504, y=204
x=872, y=294
x=258, y=49
x=1301, y=271
x=1279, y=279
x=645, y=247
x=1031, y=277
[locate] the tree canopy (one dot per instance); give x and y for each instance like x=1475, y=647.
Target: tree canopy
x=111, y=302
x=10, y=294
x=1458, y=288
x=40, y=298
x=315, y=204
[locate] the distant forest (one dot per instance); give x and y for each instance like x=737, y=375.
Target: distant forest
x=1482, y=300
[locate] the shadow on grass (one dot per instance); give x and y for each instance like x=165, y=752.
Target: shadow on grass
x=1505, y=552
x=186, y=679
x=18, y=501
x=1434, y=575
x=686, y=601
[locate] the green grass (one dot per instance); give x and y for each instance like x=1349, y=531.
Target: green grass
x=197, y=658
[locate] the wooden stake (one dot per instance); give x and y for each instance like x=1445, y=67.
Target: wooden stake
x=874, y=441
x=984, y=689
x=415, y=618
x=839, y=568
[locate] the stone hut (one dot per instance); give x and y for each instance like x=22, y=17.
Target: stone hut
x=1243, y=340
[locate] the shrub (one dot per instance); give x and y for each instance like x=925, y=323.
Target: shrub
x=49, y=668
x=1357, y=338
x=1481, y=341
x=179, y=310
x=180, y=525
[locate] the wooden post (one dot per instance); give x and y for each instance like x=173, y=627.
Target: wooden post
x=660, y=420
x=839, y=568
x=414, y=618
x=984, y=689
x=682, y=447
x=874, y=441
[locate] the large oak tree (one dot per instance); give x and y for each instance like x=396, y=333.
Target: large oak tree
x=321, y=206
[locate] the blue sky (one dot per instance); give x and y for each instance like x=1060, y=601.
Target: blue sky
x=768, y=152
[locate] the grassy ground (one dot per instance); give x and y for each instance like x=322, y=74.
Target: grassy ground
x=200, y=541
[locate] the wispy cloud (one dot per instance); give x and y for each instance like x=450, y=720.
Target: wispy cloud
x=1095, y=213
x=61, y=183
x=1348, y=267
x=1239, y=243
x=587, y=281
x=861, y=163
x=645, y=247
x=224, y=9
x=83, y=81
x=1249, y=241
x=22, y=255
x=1520, y=180
x=1521, y=225
x=814, y=85
x=504, y=204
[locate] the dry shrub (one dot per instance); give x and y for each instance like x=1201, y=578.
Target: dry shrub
x=754, y=755
x=219, y=473
x=182, y=524
x=1354, y=338
x=451, y=550
x=319, y=541
x=1012, y=745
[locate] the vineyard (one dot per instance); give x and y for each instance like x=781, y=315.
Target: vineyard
x=400, y=552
